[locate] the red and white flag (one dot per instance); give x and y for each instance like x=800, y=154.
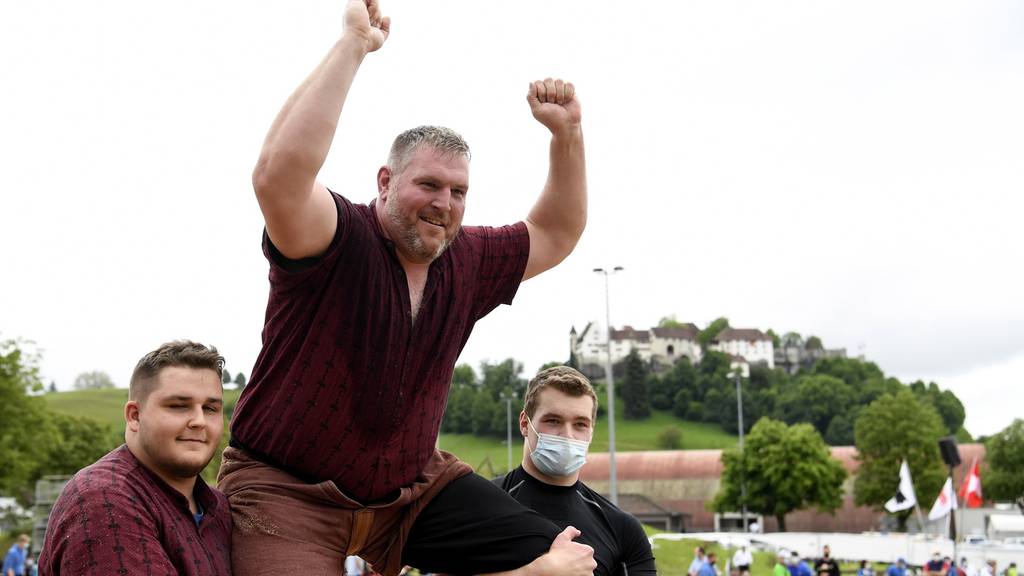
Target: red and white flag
x=970, y=490
x=945, y=503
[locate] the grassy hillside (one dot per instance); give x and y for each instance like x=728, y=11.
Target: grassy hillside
x=107, y=406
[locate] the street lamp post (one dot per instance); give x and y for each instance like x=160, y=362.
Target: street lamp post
x=743, y=464
x=612, y=479
x=508, y=425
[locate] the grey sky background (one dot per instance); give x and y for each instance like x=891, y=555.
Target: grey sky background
x=850, y=170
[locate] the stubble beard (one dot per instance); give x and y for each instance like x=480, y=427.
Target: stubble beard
x=410, y=236
x=173, y=465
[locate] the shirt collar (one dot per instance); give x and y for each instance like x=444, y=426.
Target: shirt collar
x=202, y=492
x=375, y=221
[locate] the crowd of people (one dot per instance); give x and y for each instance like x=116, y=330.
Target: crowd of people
x=790, y=563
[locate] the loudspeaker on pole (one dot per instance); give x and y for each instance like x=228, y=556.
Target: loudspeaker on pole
x=950, y=454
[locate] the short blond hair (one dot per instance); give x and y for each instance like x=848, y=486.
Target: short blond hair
x=439, y=138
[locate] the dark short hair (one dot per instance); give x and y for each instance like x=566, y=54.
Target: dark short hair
x=562, y=378
x=177, y=353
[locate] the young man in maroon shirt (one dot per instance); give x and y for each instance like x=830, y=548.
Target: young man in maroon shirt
x=143, y=509
x=333, y=441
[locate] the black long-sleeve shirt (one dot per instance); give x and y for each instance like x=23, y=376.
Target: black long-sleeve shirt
x=620, y=545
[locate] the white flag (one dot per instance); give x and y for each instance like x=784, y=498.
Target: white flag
x=905, y=497
x=945, y=503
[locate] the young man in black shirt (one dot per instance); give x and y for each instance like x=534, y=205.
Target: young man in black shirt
x=557, y=424
x=826, y=565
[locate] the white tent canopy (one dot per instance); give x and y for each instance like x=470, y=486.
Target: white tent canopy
x=1005, y=525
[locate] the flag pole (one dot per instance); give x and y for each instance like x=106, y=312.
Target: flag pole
x=952, y=516
x=956, y=492
x=917, y=505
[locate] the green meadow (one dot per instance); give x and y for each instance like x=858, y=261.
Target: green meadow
x=487, y=454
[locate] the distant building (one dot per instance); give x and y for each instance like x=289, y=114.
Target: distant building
x=794, y=354
x=750, y=344
x=739, y=364
x=661, y=346
x=670, y=344
x=628, y=339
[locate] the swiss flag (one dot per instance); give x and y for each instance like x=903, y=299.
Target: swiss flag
x=970, y=490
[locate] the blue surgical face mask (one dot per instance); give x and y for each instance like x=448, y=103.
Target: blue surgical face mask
x=557, y=455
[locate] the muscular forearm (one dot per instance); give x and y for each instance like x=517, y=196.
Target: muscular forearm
x=561, y=210
x=564, y=558
x=301, y=135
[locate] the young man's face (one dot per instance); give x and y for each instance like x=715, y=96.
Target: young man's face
x=424, y=203
x=559, y=414
x=178, y=427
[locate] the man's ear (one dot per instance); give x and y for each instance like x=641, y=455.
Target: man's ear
x=131, y=415
x=524, y=424
x=383, y=182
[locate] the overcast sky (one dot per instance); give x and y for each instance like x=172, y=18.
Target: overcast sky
x=846, y=169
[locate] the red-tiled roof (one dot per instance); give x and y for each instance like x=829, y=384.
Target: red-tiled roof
x=630, y=333
x=681, y=464
x=746, y=334
x=684, y=332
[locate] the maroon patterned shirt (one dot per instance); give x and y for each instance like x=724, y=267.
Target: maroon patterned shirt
x=117, y=517
x=347, y=388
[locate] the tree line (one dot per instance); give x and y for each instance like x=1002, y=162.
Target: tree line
x=98, y=380
x=789, y=467
x=35, y=441
x=829, y=396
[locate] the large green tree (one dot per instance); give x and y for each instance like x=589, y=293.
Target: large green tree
x=33, y=440
x=786, y=468
x=761, y=393
x=711, y=332
x=664, y=389
x=475, y=405
x=815, y=399
x=24, y=430
x=78, y=442
x=713, y=372
x=458, y=414
x=850, y=370
x=1003, y=480
x=892, y=428
x=463, y=375
x=949, y=407
x=670, y=321
x=637, y=404
x=503, y=377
